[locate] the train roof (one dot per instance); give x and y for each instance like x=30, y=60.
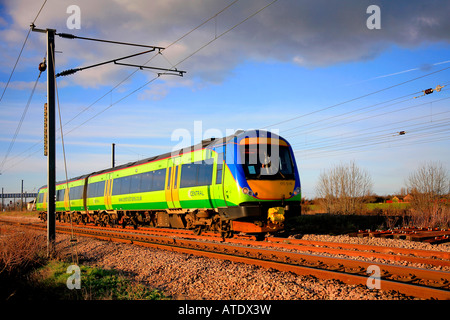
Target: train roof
x=203, y=144
x=210, y=142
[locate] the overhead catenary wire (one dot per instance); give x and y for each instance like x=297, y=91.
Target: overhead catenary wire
x=412, y=132
x=303, y=125
x=149, y=60
x=360, y=132
x=19, y=126
x=21, y=50
x=339, y=142
x=130, y=75
x=384, y=145
x=370, y=117
x=358, y=139
x=380, y=143
x=357, y=98
x=174, y=66
x=339, y=122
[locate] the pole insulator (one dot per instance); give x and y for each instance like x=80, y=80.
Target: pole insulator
x=42, y=66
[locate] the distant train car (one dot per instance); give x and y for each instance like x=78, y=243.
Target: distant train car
x=246, y=182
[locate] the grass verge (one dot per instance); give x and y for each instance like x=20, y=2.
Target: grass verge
x=26, y=274
x=52, y=280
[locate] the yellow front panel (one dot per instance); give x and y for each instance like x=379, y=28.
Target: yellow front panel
x=272, y=189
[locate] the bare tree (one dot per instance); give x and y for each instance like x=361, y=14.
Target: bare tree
x=344, y=188
x=429, y=187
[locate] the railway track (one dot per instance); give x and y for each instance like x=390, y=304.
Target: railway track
x=312, y=258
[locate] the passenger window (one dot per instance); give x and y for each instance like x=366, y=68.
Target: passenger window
x=159, y=177
x=135, y=186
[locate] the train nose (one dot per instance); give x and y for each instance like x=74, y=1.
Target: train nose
x=272, y=189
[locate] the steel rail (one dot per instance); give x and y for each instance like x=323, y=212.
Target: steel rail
x=428, y=257
x=421, y=283
x=351, y=246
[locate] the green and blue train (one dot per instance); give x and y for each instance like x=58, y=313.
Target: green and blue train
x=246, y=182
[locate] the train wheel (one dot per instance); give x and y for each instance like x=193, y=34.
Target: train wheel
x=225, y=229
x=102, y=219
x=106, y=220
x=198, y=230
x=134, y=222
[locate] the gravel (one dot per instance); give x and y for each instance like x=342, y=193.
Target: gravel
x=185, y=276
x=379, y=242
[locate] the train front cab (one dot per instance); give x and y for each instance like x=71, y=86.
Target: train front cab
x=268, y=179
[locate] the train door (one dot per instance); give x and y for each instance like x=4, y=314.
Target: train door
x=217, y=184
x=108, y=191
x=176, y=182
x=44, y=201
x=66, y=198
x=173, y=183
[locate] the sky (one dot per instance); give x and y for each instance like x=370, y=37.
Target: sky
x=339, y=81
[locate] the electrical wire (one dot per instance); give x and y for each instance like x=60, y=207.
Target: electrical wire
x=178, y=63
x=13, y=140
x=21, y=50
x=412, y=133
x=350, y=112
x=359, y=134
x=357, y=98
x=331, y=145
x=353, y=111
x=147, y=62
x=364, y=140
x=372, y=116
x=118, y=84
x=328, y=154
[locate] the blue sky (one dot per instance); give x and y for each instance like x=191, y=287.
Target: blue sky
x=291, y=59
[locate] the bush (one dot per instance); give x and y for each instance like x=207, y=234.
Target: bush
x=20, y=250
x=429, y=190
x=344, y=189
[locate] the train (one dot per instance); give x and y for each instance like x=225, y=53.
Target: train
x=247, y=182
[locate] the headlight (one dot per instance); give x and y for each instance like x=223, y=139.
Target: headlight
x=247, y=191
x=297, y=191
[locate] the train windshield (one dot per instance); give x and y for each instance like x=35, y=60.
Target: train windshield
x=266, y=162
